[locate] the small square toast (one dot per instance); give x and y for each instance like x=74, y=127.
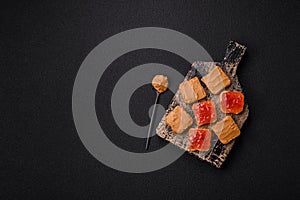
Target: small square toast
x=216, y=80
x=204, y=112
x=231, y=102
x=179, y=120
x=226, y=130
x=191, y=90
x=199, y=139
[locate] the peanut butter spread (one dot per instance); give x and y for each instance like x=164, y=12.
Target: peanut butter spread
x=160, y=83
x=191, y=90
x=179, y=120
x=226, y=129
x=216, y=80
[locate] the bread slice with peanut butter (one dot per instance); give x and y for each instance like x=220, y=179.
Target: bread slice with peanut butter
x=191, y=90
x=179, y=120
x=216, y=80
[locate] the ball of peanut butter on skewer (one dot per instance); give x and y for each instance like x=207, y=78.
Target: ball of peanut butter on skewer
x=160, y=83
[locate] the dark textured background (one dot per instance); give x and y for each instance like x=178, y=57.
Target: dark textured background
x=42, y=46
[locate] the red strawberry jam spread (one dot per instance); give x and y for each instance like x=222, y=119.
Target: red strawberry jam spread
x=231, y=102
x=199, y=139
x=205, y=112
